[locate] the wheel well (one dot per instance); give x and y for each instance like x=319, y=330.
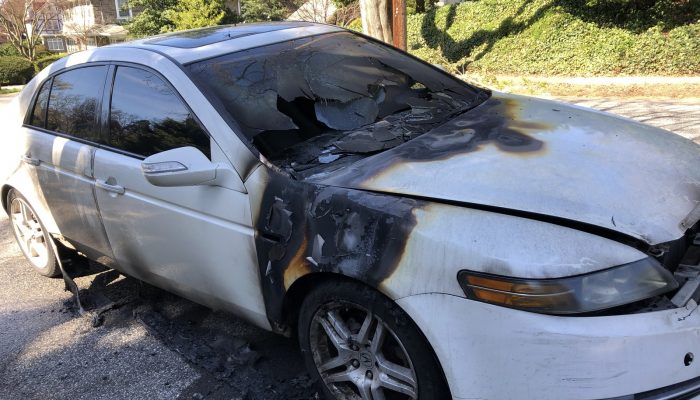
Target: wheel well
x=3, y=196
x=300, y=289
x=303, y=286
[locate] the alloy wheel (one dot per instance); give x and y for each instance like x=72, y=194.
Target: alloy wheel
x=30, y=235
x=358, y=356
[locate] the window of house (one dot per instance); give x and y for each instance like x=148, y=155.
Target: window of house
x=74, y=100
x=54, y=44
x=147, y=117
x=52, y=25
x=38, y=117
x=123, y=9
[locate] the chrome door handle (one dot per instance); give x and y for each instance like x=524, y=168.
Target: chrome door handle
x=110, y=188
x=31, y=161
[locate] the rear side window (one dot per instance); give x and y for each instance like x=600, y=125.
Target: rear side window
x=38, y=118
x=147, y=117
x=73, y=104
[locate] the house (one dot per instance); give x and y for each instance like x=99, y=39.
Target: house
x=86, y=24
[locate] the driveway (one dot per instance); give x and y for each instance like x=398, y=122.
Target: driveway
x=5, y=99
x=150, y=344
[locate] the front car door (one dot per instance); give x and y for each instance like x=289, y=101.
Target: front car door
x=197, y=241
x=61, y=137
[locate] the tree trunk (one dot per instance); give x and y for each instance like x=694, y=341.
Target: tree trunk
x=376, y=19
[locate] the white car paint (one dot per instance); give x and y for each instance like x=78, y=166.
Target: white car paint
x=198, y=241
x=491, y=352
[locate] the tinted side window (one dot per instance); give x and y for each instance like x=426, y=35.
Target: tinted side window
x=146, y=117
x=38, y=117
x=74, y=101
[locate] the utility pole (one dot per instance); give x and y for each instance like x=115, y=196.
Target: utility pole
x=399, y=23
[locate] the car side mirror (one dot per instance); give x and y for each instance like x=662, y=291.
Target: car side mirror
x=187, y=166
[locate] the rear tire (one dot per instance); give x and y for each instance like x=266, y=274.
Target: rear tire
x=31, y=235
x=359, y=345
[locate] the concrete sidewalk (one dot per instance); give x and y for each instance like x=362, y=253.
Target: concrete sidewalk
x=681, y=116
x=608, y=80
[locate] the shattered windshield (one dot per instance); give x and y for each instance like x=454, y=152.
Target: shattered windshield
x=322, y=102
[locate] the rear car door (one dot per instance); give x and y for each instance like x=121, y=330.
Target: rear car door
x=194, y=240
x=62, y=135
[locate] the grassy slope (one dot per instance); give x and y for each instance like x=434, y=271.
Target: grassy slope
x=554, y=37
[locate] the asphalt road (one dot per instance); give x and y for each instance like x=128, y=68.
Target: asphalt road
x=154, y=345
x=149, y=344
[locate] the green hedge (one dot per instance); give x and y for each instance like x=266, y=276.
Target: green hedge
x=8, y=50
x=45, y=61
x=15, y=71
x=561, y=37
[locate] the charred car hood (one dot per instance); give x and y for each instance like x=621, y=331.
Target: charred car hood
x=547, y=158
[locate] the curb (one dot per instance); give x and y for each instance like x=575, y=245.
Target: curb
x=595, y=81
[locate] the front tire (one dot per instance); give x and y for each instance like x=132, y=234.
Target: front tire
x=31, y=236
x=359, y=345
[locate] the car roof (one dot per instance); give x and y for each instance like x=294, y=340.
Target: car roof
x=197, y=44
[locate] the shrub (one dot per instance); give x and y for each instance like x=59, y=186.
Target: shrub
x=8, y=50
x=47, y=60
x=559, y=37
x=15, y=71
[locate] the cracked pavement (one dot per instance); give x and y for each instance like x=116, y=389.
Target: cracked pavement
x=155, y=345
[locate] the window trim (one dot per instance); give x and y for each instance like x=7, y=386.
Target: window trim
x=131, y=13
x=102, y=123
x=98, y=110
x=54, y=38
x=30, y=112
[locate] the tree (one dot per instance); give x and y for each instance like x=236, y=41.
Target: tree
x=376, y=19
x=268, y=10
x=151, y=20
x=420, y=6
x=190, y=14
x=23, y=22
x=160, y=16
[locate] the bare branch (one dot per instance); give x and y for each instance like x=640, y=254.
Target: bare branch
x=24, y=21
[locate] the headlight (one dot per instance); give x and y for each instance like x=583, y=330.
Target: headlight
x=596, y=291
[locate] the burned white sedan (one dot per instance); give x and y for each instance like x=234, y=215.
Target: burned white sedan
x=421, y=237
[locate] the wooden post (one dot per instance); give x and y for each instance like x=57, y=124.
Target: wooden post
x=399, y=23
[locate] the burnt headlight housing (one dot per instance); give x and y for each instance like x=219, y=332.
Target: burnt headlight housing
x=596, y=291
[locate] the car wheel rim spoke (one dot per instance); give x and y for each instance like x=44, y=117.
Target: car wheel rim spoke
x=363, y=335
x=331, y=364
x=377, y=393
x=333, y=335
x=365, y=389
x=348, y=345
x=339, y=377
x=30, y=236
x=397, y=378
x=378, y=338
